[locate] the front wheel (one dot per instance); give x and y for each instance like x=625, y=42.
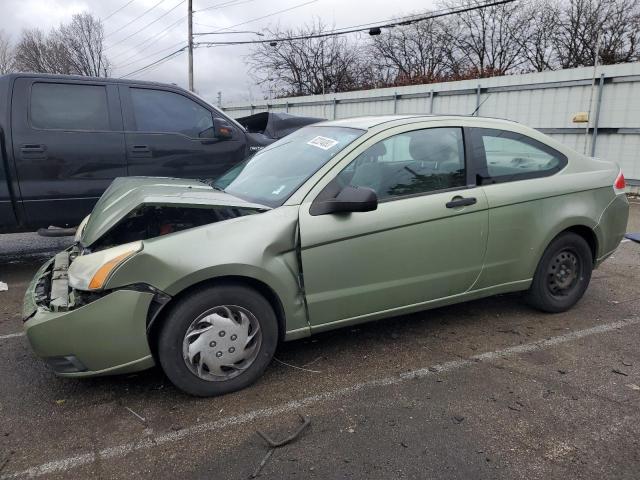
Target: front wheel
x=563, y=274
x=217, y=340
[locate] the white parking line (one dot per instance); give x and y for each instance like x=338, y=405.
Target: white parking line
x=12, y=335
x=150, y=441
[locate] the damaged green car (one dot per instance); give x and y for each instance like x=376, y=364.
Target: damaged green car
x=338, y=223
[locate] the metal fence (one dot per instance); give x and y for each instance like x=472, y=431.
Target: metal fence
x=546, y=101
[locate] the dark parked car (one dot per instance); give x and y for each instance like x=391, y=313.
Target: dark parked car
x=63, y=139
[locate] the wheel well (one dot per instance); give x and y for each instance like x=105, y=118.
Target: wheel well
x=589, y=236
x=154, y=329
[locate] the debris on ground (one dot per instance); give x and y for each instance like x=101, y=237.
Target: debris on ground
x=633, y=386
x=625, y=363
x=458, y=418
x=619, y=372
x=60, y=402
x=273, y=444
x=3, y=287
x=296, y=367
x=634, y=237
x=139, y=416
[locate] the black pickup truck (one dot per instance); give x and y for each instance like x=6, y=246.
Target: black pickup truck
x=63, y=139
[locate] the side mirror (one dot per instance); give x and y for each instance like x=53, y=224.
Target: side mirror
x=221, y=129
x=349, y=199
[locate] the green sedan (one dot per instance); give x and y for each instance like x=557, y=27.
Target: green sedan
x=336, y=224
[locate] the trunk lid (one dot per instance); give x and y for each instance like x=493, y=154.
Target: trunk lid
x=125, y=195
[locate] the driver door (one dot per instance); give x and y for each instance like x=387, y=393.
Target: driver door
x=170, y=135
x=420, y=245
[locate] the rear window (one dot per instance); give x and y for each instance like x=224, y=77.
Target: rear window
x=69, y=106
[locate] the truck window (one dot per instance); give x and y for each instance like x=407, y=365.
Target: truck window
x=168, y=112
x=69, y=106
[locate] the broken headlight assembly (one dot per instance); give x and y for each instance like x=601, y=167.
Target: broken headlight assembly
x=92, y=271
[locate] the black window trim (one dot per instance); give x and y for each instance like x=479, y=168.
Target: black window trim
x=105, y=85
x=480, y=164
x=134, y=123
x=470, y=178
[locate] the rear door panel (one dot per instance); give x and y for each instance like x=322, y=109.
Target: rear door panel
x=63, y=171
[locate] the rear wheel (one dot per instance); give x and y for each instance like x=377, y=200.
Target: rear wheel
x=563, y=274
x=217, y=340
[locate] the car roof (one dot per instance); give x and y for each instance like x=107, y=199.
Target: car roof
x=368, y=122
x=81, y=78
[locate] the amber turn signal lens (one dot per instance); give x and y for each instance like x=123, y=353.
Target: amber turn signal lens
x=100, y=277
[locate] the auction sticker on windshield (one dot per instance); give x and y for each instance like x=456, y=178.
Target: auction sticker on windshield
x=322, y=142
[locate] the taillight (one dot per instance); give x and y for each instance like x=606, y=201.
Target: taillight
x=619, y=185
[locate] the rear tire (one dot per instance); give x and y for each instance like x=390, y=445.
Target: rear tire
x=217, y=340
x=563, y=274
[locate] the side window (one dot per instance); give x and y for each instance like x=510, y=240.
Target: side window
x=410, y=163
x=66, y=106
x=168, y=112
x=513, y=156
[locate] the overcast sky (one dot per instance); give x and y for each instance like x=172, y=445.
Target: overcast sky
x=216, y=69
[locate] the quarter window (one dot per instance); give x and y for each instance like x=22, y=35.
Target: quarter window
x=410, y=163
x=69, y=106
x=168, y=112
x=513, y=156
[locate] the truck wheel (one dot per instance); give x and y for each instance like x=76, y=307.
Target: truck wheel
x=217, y=340
x=563, y=274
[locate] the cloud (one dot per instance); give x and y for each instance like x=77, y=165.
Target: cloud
x=215, y=69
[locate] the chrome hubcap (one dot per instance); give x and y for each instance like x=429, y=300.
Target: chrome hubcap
x=221, y=343
x=563, y=273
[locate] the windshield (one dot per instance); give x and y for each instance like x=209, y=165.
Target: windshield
x=275, y=173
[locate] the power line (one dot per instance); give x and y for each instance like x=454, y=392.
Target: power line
x=157, y=36
x=116, y=11
x=348, y=30
x=122, y=65
x=160, y=60
x=222, y=5
x=137, y=18
x=270, y=15
x=147, y=25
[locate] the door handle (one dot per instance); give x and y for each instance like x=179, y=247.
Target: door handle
x=140, y=151
x=458, y=201
x=33, y=151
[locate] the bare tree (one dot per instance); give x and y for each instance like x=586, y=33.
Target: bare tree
x=7, y=55
x=616, y=23
x=543, y=19
x=76, y=48
x=37, y=52
x=417, y=51
x=487, y=41
x=307, y=66
x=83, y=38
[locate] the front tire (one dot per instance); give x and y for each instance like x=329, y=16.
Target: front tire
x=563, y=274
x=217, y=340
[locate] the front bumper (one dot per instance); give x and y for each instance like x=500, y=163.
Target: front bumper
x=105, y=336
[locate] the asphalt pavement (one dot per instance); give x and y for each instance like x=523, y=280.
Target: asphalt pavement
x=485, y=389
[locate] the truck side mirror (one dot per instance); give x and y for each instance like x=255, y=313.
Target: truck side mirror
x=221, y=129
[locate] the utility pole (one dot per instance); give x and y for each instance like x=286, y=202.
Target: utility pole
x=220, y=99
x=190, y=41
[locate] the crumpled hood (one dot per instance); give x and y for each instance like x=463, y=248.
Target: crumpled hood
x=128, y=193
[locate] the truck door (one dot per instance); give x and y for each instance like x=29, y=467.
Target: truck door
x=170, y=134
x=68, y=146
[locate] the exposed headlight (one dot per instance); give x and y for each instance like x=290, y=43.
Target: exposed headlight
x=91, y=272
x=80, y=229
